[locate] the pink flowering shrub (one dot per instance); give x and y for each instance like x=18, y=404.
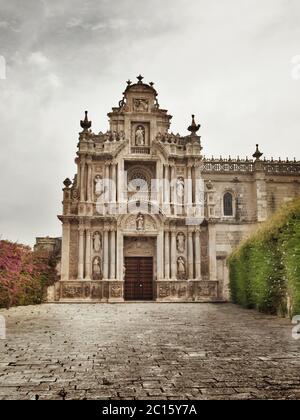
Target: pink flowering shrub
x=24, y=275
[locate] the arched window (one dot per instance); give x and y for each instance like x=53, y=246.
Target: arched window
x=228, y=204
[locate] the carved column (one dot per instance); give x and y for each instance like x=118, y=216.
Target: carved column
x=160, y=186
x=160, y=246
x=167, y=186
x=198, y=254
x=167, y=255
x=120, y=256
x=105, y=254
x=82, y=181
x=189, y=192
x=112, y=275
x=173, y=189
x=80, y=252
x=77, y=161
x=212, y=235
x=88, y=254
x=114, y=183
x=89, y=180
x=190, y=256
x=65, y=251
x=173, y=255
x=107, y=184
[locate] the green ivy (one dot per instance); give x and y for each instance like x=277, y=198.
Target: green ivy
x=265, y=269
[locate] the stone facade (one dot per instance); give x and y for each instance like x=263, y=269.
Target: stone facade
x=144, y=195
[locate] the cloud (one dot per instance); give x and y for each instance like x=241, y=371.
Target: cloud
x=227, y=62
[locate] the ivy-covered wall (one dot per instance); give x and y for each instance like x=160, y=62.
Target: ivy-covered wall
x=265, y=269
x=24, y=275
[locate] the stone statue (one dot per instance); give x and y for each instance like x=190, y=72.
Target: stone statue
x=181, y=242
x=140, y=136
x=114, y=136
x=122, y=136
x=140, y=222
x=181, y=270
x=180, y=187
x=97, y=242
x=98, y=185
x=97, y=268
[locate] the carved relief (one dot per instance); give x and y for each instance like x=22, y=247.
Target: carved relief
x=207, y=289
x=139, y=247
x=87, y=291
x=96, y=292
x=116, y=290
x=181, y=268
x=140, y=105
x=181, y=242
x=145, y=222
x=75, y=194
x=72, y=291
x=164, y=290
x=182, y=291
x=97, y=272
x=97, y=242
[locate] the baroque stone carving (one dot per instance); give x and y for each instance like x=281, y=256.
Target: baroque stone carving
x=181, y=269
x=116, y=290
x=207, y=289
x=140, y=136
x=180, y=188
x=72, y=291
x=98, y=185
x=97, y=242
x=97, y=272
x=164, y=290
x=140, y=222
x=96, y=292
x=140, y=105
x=181, y=242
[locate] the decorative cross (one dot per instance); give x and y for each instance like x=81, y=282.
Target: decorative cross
x=140, y=78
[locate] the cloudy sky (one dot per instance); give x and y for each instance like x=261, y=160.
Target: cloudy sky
x=229, y=62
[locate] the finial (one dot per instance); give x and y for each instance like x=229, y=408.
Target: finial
x=140, y=79
x=151, y=84
x=194, y=127
x=86, y=124
x=257, y=155
x=129, y=82
x=67, y=183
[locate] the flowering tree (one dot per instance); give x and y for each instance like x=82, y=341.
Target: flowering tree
x=24, y=275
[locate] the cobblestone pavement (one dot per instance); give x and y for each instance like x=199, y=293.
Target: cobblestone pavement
x=147, y=351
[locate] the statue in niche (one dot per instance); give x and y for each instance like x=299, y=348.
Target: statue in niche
x=140, y=136
x=97, y=242
x=181, y=270
x=181, y=242
x=122, y=136
x=98, y=185
x=140, y=222
x=114, y=136
x=97, y=268
x=180, y=188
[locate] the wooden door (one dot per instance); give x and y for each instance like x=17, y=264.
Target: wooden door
x=139, y=278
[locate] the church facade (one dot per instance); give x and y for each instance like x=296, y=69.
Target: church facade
x=148, y=217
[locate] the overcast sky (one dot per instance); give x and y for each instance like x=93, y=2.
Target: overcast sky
x=229, y=62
